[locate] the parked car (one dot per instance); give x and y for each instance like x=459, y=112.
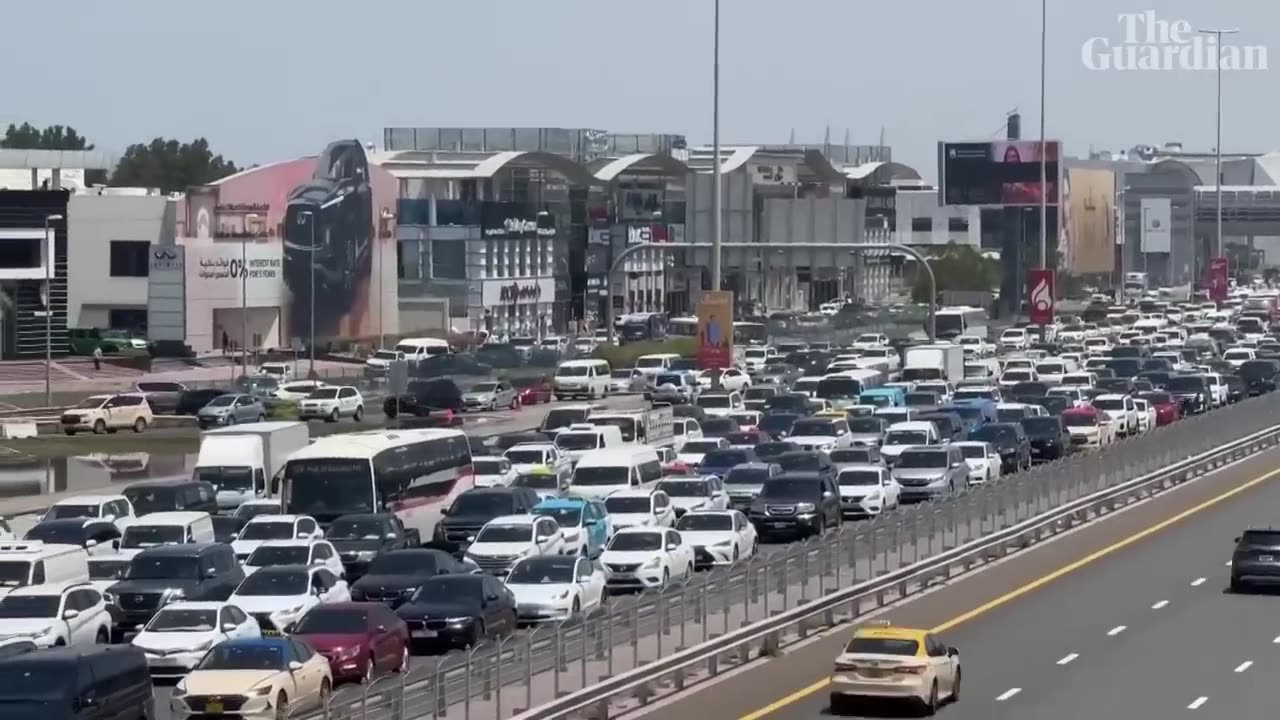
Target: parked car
x=425, y=397
x=162, y=396
x=332, y=403
x=108, y=413
x=230, y=410
x=190, y=401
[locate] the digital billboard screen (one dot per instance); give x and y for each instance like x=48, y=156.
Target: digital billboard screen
x=999, y=173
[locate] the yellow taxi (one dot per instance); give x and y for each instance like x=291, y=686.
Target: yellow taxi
x=885, y=663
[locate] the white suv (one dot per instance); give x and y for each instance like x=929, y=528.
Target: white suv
x=332, y=403
x=56, y=614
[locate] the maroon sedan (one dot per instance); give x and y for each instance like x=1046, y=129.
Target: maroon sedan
x=1168, y=410
x=360, y=640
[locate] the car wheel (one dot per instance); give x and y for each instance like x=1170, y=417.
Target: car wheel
x=70, y=432
x=666, y=578
x=477, y=635
x=334, y=416
x=99, y=427
x=139, y=425
x=955, y=688
x=735, y=554
x=1238, y=585
x=367, y=676
x=841, y=705
x=404, y=660
x=576, y=610
x=282, y=707
x=931, y=705
x=59, y=643
x=359, y=413
x=515, y=403
x=326, y=689
x=103, y=637
x=231, y=420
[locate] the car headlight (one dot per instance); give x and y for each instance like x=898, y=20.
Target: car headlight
x=258, y=691
x=365, y=555
x=563, y=595
x=292, y=610
x=180, y=689
x=347, y=653
x=109, y=598
x=873, y=495
x=174, y=595
x=723, y=544
x=653, y=563
x=202, y=647
x=805, y=508
x=458, y=620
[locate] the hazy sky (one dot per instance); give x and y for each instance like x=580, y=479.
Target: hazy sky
x=268, y=80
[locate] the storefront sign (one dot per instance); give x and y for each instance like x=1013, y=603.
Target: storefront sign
x=637, y=234
x=218, y=268
x=518, y=292
x=773, y=174
x=501, y=220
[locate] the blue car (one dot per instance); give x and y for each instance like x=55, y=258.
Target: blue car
x=585, y=523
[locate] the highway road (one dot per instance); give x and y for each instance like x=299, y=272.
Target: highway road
x=1127, y=617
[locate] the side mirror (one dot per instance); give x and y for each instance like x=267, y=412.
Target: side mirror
x=303, y=536
x=827, y=494
x=90, y=543
x=69, y=614
x=444, y=511
x=1237, y=539
x=491, y=598
x=235, y=536
x=211, y=573
x=952, y=652
x=294, y=664
x=672, y=546
x=590, y=523
x=391, y=536
x=542, y=538
x=229, y=627
x=381, y=628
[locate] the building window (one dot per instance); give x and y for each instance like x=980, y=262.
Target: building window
x=131, y=319
x=922, y=224
x=958, y=224
x=448, y=260
x=129, y=258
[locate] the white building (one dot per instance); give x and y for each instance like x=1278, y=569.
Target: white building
x=110, y=234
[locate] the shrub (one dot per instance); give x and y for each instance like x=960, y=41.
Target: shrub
x=624, y=356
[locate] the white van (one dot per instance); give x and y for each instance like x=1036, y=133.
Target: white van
x=418, y=349
x=32, y=562
x=166, y=528
x=602, y=472
x=581, y=378
x=654, y=365
x=581, y=438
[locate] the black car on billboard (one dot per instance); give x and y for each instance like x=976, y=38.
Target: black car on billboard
x=328, y=237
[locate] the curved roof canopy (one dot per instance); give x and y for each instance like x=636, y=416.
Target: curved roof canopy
x=457, y=165
x=608, y=170
x=1177, y=167
x=880, y=173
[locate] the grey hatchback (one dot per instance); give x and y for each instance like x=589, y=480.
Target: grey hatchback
x=230, y=410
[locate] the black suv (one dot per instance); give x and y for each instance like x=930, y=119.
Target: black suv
x=1049, y=437
x=473, y=508
x=425, y=397
x=1010, y=440
x=360, y=538
x=1256, y=560
x=796, y=504
x=394, y=576
x=78, y=683
x=160, y=575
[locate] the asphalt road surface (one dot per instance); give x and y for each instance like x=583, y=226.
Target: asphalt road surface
x=1127, y=617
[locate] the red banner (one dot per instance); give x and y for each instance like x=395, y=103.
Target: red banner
x=1040, y=296
x=1219, y=279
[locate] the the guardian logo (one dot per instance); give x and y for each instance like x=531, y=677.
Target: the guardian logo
x=1150, y=43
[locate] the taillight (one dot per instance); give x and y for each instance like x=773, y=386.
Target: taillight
x=909, y=669
x=846, y=667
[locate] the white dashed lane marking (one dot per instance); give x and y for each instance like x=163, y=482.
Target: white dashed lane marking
x=1160, y=604
x=1243, y=666
x=1195, y=704
x=1068, y=658
x=1116, y=630
x=1008, y=694
x=1197, y=582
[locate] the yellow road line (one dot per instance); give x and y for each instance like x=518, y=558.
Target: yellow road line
x=1033, y=585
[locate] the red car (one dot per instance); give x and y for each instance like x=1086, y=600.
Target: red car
x=1168, y=409
x=360, y=639
x=536, y=393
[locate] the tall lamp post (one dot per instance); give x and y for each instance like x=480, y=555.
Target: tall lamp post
x=387, y=217
x=1217, y=151
x=1044, y=160
x=50, y=257
x=715, y=153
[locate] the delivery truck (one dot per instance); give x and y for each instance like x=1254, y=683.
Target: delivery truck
x=241, y=461
x=939, y=361
x=655, y=426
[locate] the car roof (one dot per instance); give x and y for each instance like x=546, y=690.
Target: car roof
x=636, y=530
x=273, y=642
x=524, y=519
x=301, y=542
x=570, y=502
x=276, y=518
x=632, y=492
x=870, y=466
x=48, y=589
x=282, y=569
x=196, y=605
x=1111, y=396
x=89, y=499
x=182, y=549
x=891, y=633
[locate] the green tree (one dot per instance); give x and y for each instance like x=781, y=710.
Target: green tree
x=55, y=137
x=957, y=267
x=170, y=165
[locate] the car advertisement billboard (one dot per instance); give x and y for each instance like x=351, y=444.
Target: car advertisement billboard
x=1004, y=173
x=715, y=329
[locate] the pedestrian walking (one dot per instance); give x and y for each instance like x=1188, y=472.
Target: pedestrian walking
x=97, y=357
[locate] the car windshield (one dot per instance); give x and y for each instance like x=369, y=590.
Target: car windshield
x=150, y=499
x=1080, y=419
x=1042, y=425
x=323, y=394
x=330, y=486
x=267, y=555
x=92, y=403
x=636, y=542
x=145, y=567
x=704, y=522
x=108, y=569
x=268, y=530
x=578, y=440
x=482, y=503
x=669, y=379
x=543, y=571
x=997, y=434
x=650, y=362
x=222, y=401
x=701, y=446
x=572, y=370
x=30, y=606
x=685, y=488
x=63, y=533
x=882, y=646
x=973, y=452
x=358, y=529
x=1109, y=403
x=628, y=505
x=922, y=459
x=759, y=393
x=602, y=475
x=801, y=461
x=61, y=512
x=244, y=656
x=145, y=536
x=1268, y=538
x=505, y=534
x=791, y=488
x=851, y=455
x=726, y=457
x=564, y=516
x=332, y=621
x=746, y=476
x=713, y=401
x=387, y=355
x=838, y=388
x=823, y=428
x=286, y=583
x=852, y=478
x=1185, y=384
x=526, y=457
x=487, y=467
x=184, y=620
x=906, y=437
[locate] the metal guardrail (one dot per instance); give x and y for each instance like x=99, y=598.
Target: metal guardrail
x=621, y=649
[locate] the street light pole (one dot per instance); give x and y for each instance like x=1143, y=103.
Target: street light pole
x=311, y=262
x=1217, y=151
x=51, y=253
x=387, y=216
x=1044, y=161
x=715, y=153
x=244, y=296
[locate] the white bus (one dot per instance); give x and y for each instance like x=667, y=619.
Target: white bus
x=952, y=322
x=412, y=473
x=683, y=327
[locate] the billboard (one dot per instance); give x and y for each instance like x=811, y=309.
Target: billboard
x=337, y=225
x=1157, y=225
x=1088, y=221
x=1040, y=296
x=1219, y=279
x=715, y=329
x=1004, y=173
x=512, y=221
